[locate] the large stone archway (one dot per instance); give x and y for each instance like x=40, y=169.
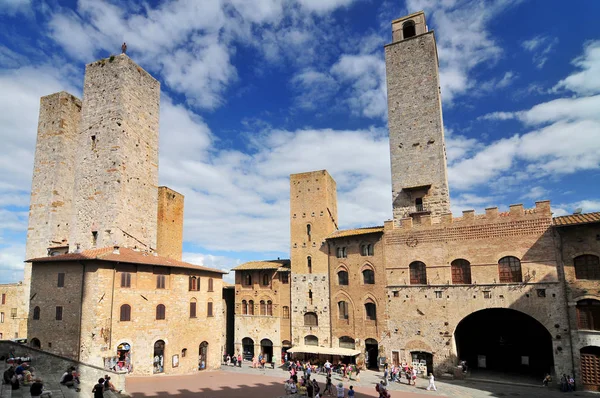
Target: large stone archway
x=504, y=340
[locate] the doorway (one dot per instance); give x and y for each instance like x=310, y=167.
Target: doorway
x=490, y=341
x=202, y=355
x=422, y=361
x=266, y=349
x=372, y=353
x=159, y=357
x=248, y=348
x=590, y=368
x=395, y=358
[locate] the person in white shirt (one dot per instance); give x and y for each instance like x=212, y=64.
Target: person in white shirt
x=340, y=390
x=431, y=385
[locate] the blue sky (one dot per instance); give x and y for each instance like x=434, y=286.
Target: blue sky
x=255, y=90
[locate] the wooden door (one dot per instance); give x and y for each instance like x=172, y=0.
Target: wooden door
x=395, y=358
x=590, y=371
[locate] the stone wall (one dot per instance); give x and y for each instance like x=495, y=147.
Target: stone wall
x=169, y=237
x=357, y=293
x=13, y=311
x=313, y=204
x=117, y=157
x=573, y=241
x=417, y=148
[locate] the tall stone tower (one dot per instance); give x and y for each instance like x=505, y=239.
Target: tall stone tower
x=116, y=180
x=417, y=148
x=313, y=212
x=169, y=240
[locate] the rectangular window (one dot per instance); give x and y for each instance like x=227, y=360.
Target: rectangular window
x=285, y=278
x=210, y=285
x=209, y=310
x=13, y=313
x=487, y=295
x=61, y=279
x=1, y=317
x=438, y=294
x=396, y=293
x=125, y=279
x=3, y=298
x=59, y=313
x=192, y=310
x=160, y=281
x=194, y=284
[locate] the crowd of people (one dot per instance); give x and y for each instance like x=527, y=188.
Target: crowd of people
x=311, y=388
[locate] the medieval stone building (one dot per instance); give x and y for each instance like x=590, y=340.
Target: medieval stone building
x=13, y=317
x=503, y=291
x=104, y=242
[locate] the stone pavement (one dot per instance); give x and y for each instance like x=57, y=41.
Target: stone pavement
x=58, y=390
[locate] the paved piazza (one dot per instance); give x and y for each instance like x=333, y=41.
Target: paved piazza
x=267, y=383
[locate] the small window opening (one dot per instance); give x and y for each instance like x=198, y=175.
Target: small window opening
x=438, y=294
x=94, y=238
x=309, y=263
x=487, y=295
x=93, y=142
x=308, y=232
x=310, y=297
x=541, y=292
x=408, y=29
x=419, y=204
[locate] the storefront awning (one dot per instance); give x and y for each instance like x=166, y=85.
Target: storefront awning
x=313, y=349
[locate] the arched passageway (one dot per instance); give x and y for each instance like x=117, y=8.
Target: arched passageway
x=504, y=340
x=372, y=353
x=266, y=348
x=202, y=355
x=248, y=348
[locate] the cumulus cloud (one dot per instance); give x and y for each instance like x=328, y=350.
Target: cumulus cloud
x=587, y=80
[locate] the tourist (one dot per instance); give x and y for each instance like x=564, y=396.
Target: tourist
x=546, y=380
x=380, y=388
x=8, y=374
x=316, y=388
x=571, y=384
x=349, y=369
x=385, y=372
x=37, y=389
x=328, y=385
x=414, y=376
x=563, y=383
x=254, y=362
x=431, y=385
x=228, y=361
x=340, y=390
x=234, y=360
x=68, y=379
x=108, y=386
x=358, y=373
x=351, y=392
x=327, y=367
x=310, y=391
x=239, y=359
x=98, y=389
x=308, y=370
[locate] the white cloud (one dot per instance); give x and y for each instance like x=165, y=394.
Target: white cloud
x=587, y=80
x=219, y=262
x=11, y=262
x=14, y=7
x=536, y=193
x=540, y=46
x=586, y=206
x=314, y=88
x=321, y=6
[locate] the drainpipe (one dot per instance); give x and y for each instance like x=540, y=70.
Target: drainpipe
x=80, y=311
x=112, y=305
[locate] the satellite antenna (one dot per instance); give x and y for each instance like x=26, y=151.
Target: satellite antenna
x=578, y=210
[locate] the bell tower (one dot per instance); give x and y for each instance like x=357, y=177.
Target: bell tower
x=416, y=128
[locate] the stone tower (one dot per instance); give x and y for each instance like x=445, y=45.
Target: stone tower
x=417, y=149
x=313, y=212
x=116, y=180
x=169, y=239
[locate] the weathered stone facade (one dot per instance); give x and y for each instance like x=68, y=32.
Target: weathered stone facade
x=416, y=128
x=92, y=325
x=116, y=179
x=313, y=216
x=13, y=313
x=169, y=237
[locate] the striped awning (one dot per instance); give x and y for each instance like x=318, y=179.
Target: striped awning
x=313, y=349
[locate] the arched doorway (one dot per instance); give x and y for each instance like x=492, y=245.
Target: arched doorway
x=371, y=353
x=266, y=348
x=590, y=368
x=159, y=357
x=422, y=361
x=504, y=340
x=123, y=357
x=285, y=345
x=202, y=355
x=248, y=348
x=35, y=343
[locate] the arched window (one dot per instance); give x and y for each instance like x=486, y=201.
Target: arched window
x=244, y=307
x=343, y=309
x=265, y=279
x=309, y=264
x=311, y=340
x=408, y=29
x=270, y=308
x=35, y=343
x=588, y=314
x=36, y=313
x=209, y=309
x=342, y=278
x=587, y=267
x=247, y=279
x=210, y=285
x=286, y=312
x=366, y=249
x=461, y=272
x=125, y=315
x=347, y=342
x=311, y=319
x=251, y=307
x=193, y=308
x=368, y=277
x=371, y=311
x=509, y=269
x=418, y=274
x=341, y=252
x=308, y=232
x=160, y=312
x=263, y=307
x=194, y=284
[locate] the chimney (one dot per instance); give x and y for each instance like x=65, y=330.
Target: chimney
x=116, y=249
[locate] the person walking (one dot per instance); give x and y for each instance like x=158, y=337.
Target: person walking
x=431, y=385
x=316, y=389
x=358, y=373
x=414, y=377
x=240, y=360
x=340, y=391
x=98, y=389
x=328, y=386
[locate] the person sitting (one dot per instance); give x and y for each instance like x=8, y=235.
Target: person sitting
x=68, y=378
x=8, y=374
x=37, y=389
x=108, y=385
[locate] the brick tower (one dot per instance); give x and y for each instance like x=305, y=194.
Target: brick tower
x=313, y=212
x=417, y=149
x=116, y=180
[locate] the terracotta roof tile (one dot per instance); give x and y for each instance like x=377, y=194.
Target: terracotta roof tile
x=267, y=264
x=357, y=231
x=574, y=219
x=125, y=255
